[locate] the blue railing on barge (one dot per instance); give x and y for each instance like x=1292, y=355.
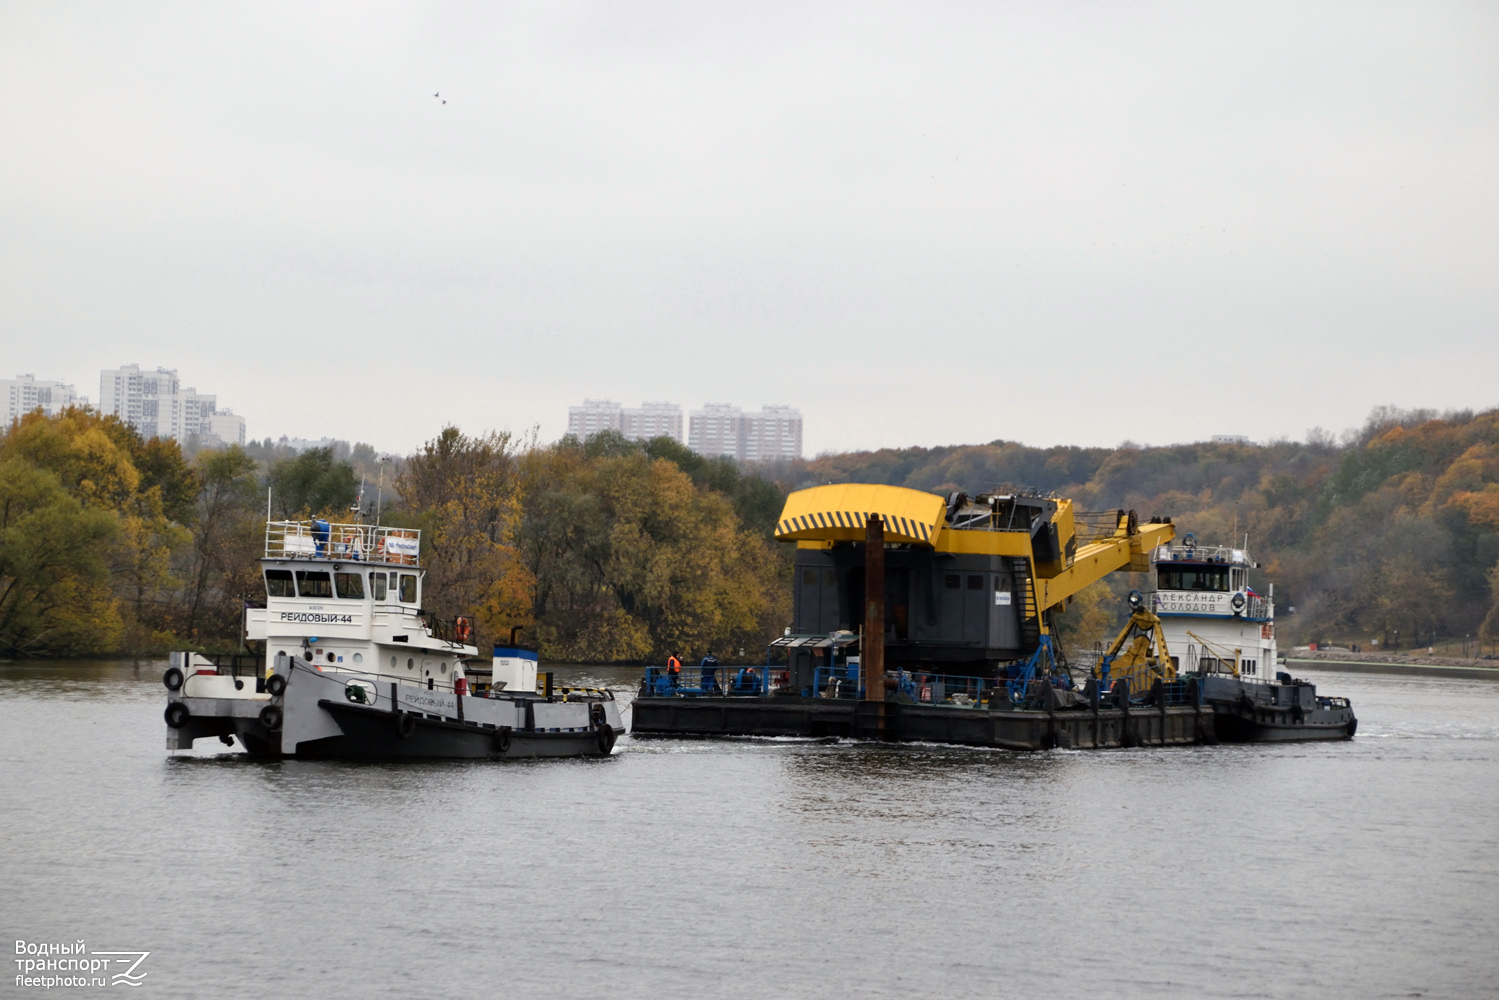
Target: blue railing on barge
x=843, y=682
x=700, y=682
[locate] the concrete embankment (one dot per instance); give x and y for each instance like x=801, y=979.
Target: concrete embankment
x=1390, y=663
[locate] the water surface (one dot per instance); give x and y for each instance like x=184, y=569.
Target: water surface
x=759, y=868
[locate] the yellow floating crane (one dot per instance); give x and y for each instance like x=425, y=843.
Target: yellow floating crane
x=969, y=580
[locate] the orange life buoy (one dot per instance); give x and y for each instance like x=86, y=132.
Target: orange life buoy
x=463, y=630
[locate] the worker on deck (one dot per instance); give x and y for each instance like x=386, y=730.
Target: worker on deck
x=709, y=680
x=674, y=670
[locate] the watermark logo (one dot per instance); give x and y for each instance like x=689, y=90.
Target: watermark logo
x=133, y=960
x=70, y=965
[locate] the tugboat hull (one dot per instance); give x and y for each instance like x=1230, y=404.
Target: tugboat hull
x=1233, y=727
x=329, y=715
x=1282, y=712
x=372, y=734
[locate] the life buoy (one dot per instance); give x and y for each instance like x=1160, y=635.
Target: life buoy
x=502, y=739
x=405, y=725
x=172, y=679
x=177, y=715
x=606, y=740
x=270, y=717
x=275, y=685
x=463, y=630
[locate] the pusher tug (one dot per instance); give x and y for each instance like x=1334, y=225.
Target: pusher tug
x=1218, y=630
x=353, y=668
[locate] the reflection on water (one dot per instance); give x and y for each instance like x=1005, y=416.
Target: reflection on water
x=753, y=868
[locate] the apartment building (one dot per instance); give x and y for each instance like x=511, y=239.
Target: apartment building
x=24, y=393
x=157, y=404
x=724, y=429
x=639, y=423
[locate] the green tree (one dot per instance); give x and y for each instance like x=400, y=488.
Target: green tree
x=227, y=543
x=54, y=575
x=313, y=482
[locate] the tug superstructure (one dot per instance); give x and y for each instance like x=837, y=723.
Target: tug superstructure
x=1218, y=631
x=353, y=667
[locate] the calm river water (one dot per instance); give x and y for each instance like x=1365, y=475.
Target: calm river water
x=761, y=868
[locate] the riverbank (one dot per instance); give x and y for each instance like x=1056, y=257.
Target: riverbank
x=1392, y=663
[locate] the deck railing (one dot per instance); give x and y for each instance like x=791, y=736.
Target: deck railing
x=696, y=682
x=318, y=539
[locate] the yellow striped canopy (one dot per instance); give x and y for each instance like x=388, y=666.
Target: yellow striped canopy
x=839, y=514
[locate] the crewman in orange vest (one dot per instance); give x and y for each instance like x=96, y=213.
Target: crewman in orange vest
x=674, y=669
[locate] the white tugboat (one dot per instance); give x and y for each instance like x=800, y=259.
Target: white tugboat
x=1217, y=629
x=353, y=668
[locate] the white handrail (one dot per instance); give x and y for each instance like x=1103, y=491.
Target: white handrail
x=353, y=542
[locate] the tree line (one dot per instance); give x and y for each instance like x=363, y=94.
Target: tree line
x=608, y=550
x=605, y=550
x=1389, y=532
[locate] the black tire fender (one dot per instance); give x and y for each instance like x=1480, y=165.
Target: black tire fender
x=275, y=685
x=502, y=740
x=177, y=715
x=606, y=739
x=172, y=679
x=270, y=717
x=405, y=725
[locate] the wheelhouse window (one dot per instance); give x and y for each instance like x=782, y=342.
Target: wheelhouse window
x=377, y=586
x=408, y=588
x=313, y=584
x=278, y=583
x=350, y=586
x=1199, y=578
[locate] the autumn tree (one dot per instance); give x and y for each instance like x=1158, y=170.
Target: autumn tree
x=464, y=492
x=55, y=597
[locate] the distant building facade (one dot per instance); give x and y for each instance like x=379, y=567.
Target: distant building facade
x=717, y=429
x=156, y=404
x=652, y=420
x=640, y=423
x=773, y=433
x=228, y=427
x=300, y=445
x=24, y=393
x=594, y=416
x=723, y=429
x=1230, y=439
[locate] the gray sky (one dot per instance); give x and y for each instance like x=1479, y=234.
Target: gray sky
x=921, y=223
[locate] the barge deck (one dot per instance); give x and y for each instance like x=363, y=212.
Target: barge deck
x=1011, y=729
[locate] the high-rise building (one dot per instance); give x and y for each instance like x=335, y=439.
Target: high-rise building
x=227, y=426
x=157, y=405
x=723, y=429
x=773, y=433
x=639, y=423
x=717, y=429
x=24, y=393
x=652, y=420
x=593, y=416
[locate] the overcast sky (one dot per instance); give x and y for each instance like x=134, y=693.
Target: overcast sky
x=921, y=224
